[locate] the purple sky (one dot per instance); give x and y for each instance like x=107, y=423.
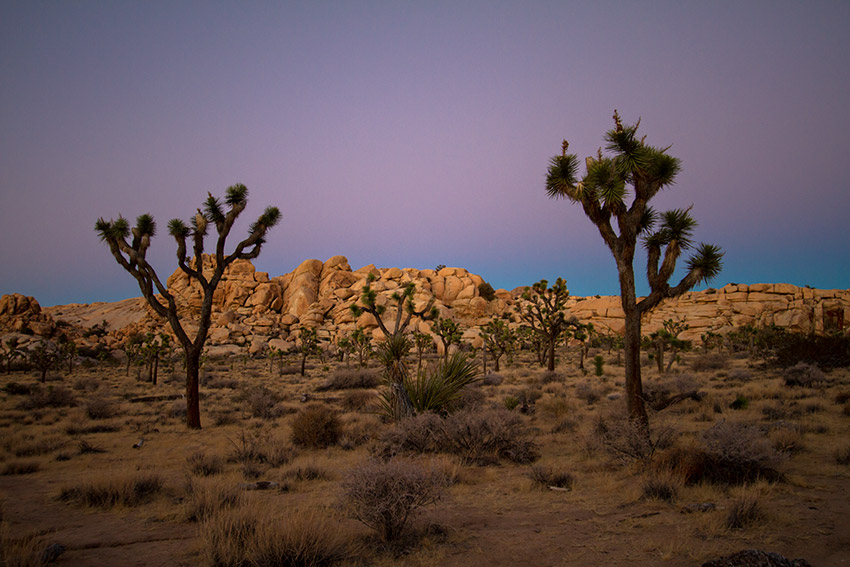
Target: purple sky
x=415, y=134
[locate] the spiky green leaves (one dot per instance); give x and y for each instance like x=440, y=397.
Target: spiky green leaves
x=236, y=195
x=112, y=231
x=213, y=210
x=145, y=225
x=178, y=229
x=561, y=178
x=676, y=226
x=269, y=218
x=708, y=261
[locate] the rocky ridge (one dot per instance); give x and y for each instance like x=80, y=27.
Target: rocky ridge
x=254, y=311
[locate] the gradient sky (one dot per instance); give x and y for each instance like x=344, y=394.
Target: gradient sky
x=412, y=134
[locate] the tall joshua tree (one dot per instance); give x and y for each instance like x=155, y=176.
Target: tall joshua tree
x=614, y=194
x=131, y=255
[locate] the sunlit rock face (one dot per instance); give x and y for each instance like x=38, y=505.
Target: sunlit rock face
x=251, y=309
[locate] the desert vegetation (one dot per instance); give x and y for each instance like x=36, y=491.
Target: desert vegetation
x=524, y=465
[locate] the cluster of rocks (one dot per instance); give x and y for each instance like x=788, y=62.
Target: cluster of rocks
x=254, y=311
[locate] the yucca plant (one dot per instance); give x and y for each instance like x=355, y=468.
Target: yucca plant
x=436, y=389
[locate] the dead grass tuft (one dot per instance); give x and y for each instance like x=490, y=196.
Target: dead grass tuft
x=109, y=491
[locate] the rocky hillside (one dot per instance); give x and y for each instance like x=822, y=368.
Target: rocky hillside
x=253, y=311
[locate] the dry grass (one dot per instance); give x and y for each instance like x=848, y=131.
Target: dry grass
x=496, y=502
x=111, y=490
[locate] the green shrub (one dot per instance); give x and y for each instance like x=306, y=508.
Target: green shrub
x=437, y=390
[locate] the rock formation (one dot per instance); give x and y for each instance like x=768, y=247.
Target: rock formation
x=252, y=310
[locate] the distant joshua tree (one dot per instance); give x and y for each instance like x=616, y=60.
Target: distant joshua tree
x=449, y=333
x=131, y=255
x=614, y=194
x=543, y=310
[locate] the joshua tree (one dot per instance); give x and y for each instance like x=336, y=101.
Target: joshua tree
x=584, y=333
x=68, y=353
x=498, y=339
x=396, y=345
x=614, y=194
x=131, y=255
x=422, y=342
x=152, y=350
x=449, y=334
x=9, y=351
x=45, y=358
x=362, y=344
x=544, y=312
x=308, y=345
x=668, y=336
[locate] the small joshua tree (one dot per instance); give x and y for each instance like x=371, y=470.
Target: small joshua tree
x=498, y=339
x=668, y=338
x=362, y=345
x=44, y=358
x=308, y=345
x=449, y=333
x=131, y=255
x=543, y=310
x=396, y=345
x=614, y=194
x=68, y=353
x=10, y=351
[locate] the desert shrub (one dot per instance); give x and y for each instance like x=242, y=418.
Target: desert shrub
x=662, y=486
x=510, y=402
x=20, y=467
x=842, y=456
x=258, y=446
x=486, y=291
x=803, y=374
x=709, y=361
x=386, y=495
x=253, y=536
x=100, y=408
x=626, y=441
x=54, y=396
x=740, y=402
x=585, y=391
x=316, y=426
x=201, y=464
x=477, y=436
x=486, y=436
x=259, y=401
x=115, y=490
x=470, y=398
x=787, y=440
x=358, y=400
x=842, y=397
x=550, y=376
x=350, y=378
x=205, y=497
x=734, y=453
x=17, y=389
x=829, y=351
x=740, y=374
x=492, y=379
x=528, y=396
x=546, y=477
x=744, y=511
x=87, y=384
x=220, y=383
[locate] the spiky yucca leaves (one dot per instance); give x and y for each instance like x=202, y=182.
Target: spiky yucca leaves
x=435, y=390
x=614, y=194
x=391, y=354
x=132, y=257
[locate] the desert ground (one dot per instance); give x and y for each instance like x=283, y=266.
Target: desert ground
x=101, y=463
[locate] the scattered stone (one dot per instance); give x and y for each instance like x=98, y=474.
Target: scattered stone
x=699, y=507
x=51, y=553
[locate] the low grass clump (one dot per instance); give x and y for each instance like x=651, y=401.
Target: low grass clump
x=206, y=497
x=20, y=467
x=351, y=378
x=544, y=477
x=316, y=427
x=109, y=491
x=744, y=511
x=253, y=535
